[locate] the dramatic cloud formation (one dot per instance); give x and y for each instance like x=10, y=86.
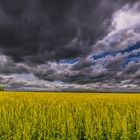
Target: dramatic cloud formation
x=70, y=45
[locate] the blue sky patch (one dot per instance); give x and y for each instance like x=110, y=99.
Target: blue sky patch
x=127, y=50
x=69, y=61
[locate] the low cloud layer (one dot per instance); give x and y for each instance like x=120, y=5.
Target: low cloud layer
x=70, y=45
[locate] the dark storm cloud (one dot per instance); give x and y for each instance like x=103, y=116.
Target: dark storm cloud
x=37, y=35
x=109, y=70
x=40, y=30
x=8, y=66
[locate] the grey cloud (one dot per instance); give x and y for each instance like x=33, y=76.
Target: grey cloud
x=8, y=66
x=108, y=70
x=36, y=34
x=124, y=30
x=41, y=30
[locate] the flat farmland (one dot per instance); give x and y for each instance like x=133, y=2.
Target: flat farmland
x=69, y=116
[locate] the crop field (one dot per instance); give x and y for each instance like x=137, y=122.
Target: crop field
x=69, y=116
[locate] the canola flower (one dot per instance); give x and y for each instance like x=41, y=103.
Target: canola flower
x=69, y=116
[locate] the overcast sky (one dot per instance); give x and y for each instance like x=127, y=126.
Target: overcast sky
x=70, y=44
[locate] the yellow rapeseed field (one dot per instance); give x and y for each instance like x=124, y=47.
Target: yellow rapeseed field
x=69, y=116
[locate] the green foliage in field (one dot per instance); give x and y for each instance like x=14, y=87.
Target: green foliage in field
x=43, y=116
